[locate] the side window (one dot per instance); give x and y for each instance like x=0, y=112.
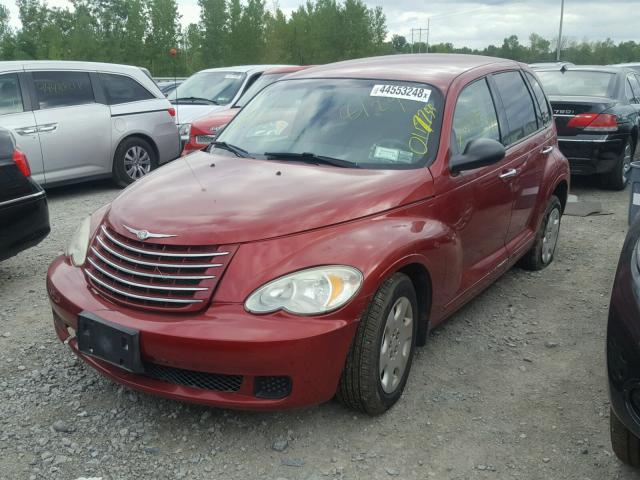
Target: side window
x=635, y=86
x=475, y=116
x=518, y=105
x=628, y=91
x=63, y=89
x=122, y=89
x=10, y=95
x=541, y=99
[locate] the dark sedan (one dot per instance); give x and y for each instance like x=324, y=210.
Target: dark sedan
x=24, y=215
x=597, y=112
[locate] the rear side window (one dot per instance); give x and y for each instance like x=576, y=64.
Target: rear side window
x=122, y=89
x=541, y=99
x=635, y=87
x=475, y=117
x=10, y=95
x=518, y=106
x=62, y=89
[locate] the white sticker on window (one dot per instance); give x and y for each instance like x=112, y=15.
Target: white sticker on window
x=234, y=76
x=636, y=198
x=417, y=94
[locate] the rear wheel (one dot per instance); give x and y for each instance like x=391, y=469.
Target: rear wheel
x=625, y=444
x=544, y=247
x=618, y=178
x=134, y=159
x=379, y=360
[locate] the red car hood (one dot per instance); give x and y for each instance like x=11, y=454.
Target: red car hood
x=205, y=124
x=241, y=200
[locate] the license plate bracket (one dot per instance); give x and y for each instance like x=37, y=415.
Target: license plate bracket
x=109, y=342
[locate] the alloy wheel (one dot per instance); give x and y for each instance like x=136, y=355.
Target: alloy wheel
x=551, y=233
x=137, y=162
x=395, y=348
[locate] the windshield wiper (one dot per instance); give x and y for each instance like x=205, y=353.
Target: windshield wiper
x=239, y=152
x=311, y=158
x=195, y=99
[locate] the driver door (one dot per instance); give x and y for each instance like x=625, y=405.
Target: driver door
x=477, y=203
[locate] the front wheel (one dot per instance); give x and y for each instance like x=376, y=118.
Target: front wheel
x=134, y=159
x=379, y=360
x=544, y=247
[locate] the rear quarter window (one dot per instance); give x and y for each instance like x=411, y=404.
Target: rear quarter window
x=62, y=89
x=541, y=99
x=123, y=89
x=518, y=106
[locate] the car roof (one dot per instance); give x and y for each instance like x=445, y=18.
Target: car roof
x=438, y=69
x=289, y=69
x=631, y=64
x=588, y=68
x=243, y=68
x=69, y=65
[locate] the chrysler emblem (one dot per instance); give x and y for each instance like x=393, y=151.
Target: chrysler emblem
x=143, y=235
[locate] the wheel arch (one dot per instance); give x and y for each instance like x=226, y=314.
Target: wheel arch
x=561, y=190
x=141, y=136
x=421, y=279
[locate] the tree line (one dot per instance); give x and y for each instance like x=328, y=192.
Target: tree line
x=231, y=32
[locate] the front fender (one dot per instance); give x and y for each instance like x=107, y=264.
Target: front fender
x=378, y=246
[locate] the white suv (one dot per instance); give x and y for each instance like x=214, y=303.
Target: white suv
x=84, y=120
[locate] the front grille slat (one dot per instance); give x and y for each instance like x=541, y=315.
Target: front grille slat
x=149, y=286
x=159, y=253
x=153, y=275
x=162, y=276
x=154, y=264
x=139, y=297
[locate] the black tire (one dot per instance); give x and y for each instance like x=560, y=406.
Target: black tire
x=535, y=258
x=618, y=178
x=625, y=444
x=360, y=386
x=120, y=175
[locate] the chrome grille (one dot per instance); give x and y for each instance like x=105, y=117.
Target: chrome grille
x=153, y=275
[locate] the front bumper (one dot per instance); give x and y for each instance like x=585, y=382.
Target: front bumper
x=590, y=154
x=623, y=337
x=221, y=340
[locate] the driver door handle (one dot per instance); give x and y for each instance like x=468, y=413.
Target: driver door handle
x=27, y=130
x=512, y=172
x=547, y=150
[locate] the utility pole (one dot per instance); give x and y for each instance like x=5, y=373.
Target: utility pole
x=428, y=31
x=560, y=32
x=419, y=30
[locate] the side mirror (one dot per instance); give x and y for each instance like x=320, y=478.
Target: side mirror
x=478, y=153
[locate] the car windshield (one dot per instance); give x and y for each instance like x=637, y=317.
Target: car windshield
x=383, y=124
x=257, y=86
x=217, y=88
x=577, y=83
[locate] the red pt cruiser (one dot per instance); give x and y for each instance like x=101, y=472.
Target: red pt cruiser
x=344, y=212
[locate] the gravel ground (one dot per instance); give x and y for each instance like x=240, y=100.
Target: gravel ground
x=512, y=386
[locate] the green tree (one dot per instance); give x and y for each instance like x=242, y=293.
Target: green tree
x=162, y=36
x=214, y=31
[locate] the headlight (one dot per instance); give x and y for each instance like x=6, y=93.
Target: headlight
x=79, y=243
x=184, y=130
x=307, y=292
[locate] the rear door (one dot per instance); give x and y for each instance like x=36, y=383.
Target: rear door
x=75, y=130
x=16, y=116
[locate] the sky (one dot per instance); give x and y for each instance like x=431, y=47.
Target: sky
x=478, y=23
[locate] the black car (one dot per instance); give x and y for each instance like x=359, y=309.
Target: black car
x=597, y=113
x=24, y=215
x=623, y=351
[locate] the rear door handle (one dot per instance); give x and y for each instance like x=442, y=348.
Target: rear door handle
x=512, y=172
x=547, y=150
x=27, y=130
x=51, y=127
